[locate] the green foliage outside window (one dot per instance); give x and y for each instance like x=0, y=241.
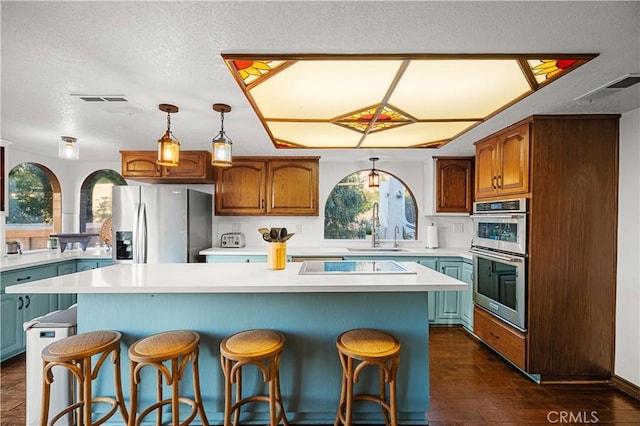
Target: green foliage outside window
x=348, y=210
x=30, y=195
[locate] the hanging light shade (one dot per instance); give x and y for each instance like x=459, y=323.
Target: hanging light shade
x=68, y=148
x=374, y=177
x=168, y=146
x=221, y=144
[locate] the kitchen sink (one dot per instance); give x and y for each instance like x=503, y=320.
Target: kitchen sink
x=376, y=249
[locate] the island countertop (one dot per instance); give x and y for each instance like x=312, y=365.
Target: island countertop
x=234, y=278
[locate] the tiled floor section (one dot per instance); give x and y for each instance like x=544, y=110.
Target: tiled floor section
x=470, y=385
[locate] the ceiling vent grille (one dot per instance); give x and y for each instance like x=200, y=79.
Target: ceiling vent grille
x=101, y=98
x=612, y=87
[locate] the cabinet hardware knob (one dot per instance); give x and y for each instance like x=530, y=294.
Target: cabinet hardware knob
x=28, y=277
x=28, y=302
x=21, y=303
x=499, y=181
x=493, y=182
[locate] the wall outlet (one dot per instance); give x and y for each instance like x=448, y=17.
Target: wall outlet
x=458, y=228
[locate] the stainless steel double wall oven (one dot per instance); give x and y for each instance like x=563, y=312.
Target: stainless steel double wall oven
x=499, y=249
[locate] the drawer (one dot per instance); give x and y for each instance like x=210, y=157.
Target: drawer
x=506, y=340
x=25, y=275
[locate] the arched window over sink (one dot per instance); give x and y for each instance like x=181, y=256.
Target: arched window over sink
x=348, y=211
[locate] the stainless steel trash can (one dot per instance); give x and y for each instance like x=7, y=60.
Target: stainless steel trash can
x=41, y=332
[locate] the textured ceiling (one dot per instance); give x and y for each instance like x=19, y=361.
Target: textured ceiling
x=170, y=52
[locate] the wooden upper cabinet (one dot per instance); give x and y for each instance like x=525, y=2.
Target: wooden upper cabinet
x=502, y=163
x=140, y=164
x=278, y=186
x=293, y=187
x=454, y=189
x=193, y=167
x=240, y=188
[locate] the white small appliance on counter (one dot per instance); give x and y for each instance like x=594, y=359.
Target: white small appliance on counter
x=233, y=240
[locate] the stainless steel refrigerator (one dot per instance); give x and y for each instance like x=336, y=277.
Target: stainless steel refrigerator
x=160, y=224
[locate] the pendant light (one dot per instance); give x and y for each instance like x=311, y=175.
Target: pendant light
x=168, y=146
x=374, y=177
x=68, y=148
x=221, y=144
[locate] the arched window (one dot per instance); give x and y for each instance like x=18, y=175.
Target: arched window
x=34, y=206
x=348, y=211
x=95, y=202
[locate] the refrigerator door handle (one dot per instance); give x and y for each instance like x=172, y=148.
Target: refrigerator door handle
x=139, y=234
x=136, y=233
x=142, y=243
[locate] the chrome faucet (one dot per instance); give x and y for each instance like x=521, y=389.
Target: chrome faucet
x=396, y=244
x=375, y=223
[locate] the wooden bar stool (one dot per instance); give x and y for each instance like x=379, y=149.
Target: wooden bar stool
x=176, y=348
x=75, y=354
x=262, y=348
x=371, y=348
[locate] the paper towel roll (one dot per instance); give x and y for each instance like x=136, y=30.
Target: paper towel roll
x=432, y=236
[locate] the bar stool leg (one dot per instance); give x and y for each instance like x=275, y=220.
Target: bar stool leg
x=86, y=373
x=118, y=381
x=196, y=380
x=46, y=390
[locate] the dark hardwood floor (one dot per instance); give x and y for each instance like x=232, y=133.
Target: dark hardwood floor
x=470, y=385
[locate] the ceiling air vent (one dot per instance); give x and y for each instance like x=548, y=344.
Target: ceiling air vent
x=101, y=98
x=614, y=86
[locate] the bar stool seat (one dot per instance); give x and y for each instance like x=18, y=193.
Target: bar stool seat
x=262, y=348
x=75, y=354
x=371, y=348
x=177, y=348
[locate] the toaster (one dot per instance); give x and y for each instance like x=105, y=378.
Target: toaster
x=232, y=240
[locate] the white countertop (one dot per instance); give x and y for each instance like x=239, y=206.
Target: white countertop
x=43, y=257
x=234, y=278
x=340, y=251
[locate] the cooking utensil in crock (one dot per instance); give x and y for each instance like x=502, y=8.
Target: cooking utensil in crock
x=286, y=237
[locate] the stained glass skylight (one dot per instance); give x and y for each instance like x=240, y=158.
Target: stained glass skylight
x=386, y=101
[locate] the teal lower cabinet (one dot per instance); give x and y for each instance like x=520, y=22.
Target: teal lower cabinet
x=16, y=309
x=89, y=264
x=453, y=307
x=466, y=308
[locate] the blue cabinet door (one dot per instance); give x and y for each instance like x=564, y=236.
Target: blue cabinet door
x=449, y=302
x=12, y=339
x=466, y=306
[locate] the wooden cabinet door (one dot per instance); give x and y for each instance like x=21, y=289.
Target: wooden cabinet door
x=453, y=185
x=486, y=163
x=192, y=165
x=140, y=164
x=292, y=188
x=513, y=149
x=240, y=189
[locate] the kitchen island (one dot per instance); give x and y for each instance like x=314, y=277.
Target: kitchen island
x=219, y=299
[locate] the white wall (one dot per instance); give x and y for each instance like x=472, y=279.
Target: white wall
x=627, y=358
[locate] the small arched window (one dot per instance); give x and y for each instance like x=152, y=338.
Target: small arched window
x=348, y=213
x=95, y=202
x=34, y=206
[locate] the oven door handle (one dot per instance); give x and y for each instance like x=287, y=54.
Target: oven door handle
x=496, y=255
x=498, y=216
